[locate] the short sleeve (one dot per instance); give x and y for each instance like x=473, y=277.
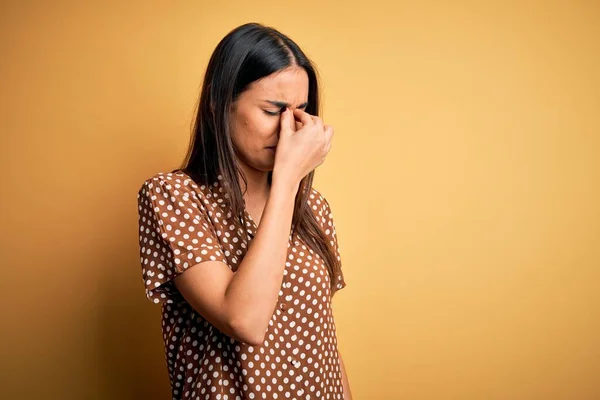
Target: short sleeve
x=330, y=232
x=174, y=234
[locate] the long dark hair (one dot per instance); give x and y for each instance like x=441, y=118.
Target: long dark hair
x=245, y=55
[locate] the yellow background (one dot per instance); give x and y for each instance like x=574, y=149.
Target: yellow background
x=464, y=179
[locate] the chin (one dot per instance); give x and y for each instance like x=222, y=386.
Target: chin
x=264, y=166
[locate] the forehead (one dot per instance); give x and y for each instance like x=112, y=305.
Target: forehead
x=289, y=85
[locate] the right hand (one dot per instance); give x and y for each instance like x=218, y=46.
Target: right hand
x=302, y=145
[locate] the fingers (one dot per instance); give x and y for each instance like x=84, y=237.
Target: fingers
x=305, y=117
x=318, y=122
x=328, y=133
x=328, y=137
x=288, y=124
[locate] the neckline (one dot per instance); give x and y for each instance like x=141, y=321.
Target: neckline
x=253, y=226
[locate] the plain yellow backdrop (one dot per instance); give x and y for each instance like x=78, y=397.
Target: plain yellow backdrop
x=464, y=180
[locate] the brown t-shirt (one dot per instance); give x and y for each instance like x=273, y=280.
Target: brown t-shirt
x=182, y=224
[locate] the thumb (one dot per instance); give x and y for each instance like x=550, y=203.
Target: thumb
x=287, y=122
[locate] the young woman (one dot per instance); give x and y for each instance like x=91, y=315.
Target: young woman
x=236, y=245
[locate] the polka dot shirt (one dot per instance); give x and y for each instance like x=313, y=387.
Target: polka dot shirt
x=182, y=224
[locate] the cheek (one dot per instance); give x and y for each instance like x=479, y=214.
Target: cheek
x=260, y=128
x=252, y=131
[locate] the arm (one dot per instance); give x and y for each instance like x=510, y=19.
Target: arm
x=347, y=393
x=240, y=304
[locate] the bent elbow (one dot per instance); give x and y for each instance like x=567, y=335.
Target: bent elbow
x=257, y=340
x=246, y=332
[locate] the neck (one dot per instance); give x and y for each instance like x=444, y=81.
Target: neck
x=257, y=183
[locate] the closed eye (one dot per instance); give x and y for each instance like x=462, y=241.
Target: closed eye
x=272, y=112
x=283, y=106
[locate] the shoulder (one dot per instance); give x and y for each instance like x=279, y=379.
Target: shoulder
x=178, y=180
x=172, y=184
x=316, y=199
x=173, y=196
x=319, y=204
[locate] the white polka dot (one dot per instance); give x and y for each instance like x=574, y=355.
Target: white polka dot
x=183, y=224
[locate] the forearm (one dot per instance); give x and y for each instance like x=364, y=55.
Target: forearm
x=253, y=290
x=345, y=382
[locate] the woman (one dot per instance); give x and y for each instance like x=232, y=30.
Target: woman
x=236, y=245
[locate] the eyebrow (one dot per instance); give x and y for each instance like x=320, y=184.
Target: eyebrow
x=282, y=104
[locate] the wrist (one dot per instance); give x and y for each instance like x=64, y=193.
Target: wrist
x=285, y=184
